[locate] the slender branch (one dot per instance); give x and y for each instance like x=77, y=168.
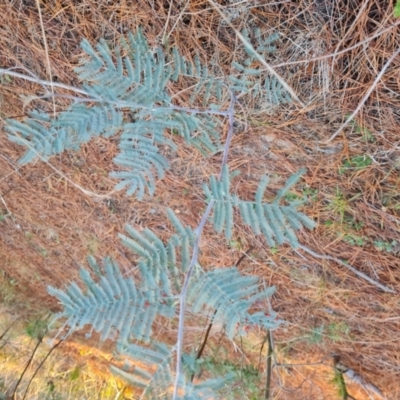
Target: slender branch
x=244, y=255
x=121, y=393
x=193, y=261
x=200, y=352
x=231, y=122
x=40, y=366
x=91, y=99
x=203, y=345
x=40, y=340
x=361, y=13
x=164, y=37
x=46, y=47
x=349, y=267
x=8, y=328
x=300, y=364
x=269, y=367
x=182, y=297
x=42, y=82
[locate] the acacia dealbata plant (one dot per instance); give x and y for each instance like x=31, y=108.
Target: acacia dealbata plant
x=124, y=91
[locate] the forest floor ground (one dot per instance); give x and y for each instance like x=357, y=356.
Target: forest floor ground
x=48, y=226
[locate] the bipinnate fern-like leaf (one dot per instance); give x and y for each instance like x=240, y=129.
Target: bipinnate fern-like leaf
x=249, y=78
x=225, y=290
x=134, y=77
x=276, y=222
x=45, y=136
x=232, y=296
x=117, y=304
x=85, y=122
x=140, y=79
x=124, y=309
x=142, y=165
x=131, y=77
x=114, y=306
x=155, y=374
x=161, y=260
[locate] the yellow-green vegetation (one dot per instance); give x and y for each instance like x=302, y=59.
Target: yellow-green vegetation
x=58, y=376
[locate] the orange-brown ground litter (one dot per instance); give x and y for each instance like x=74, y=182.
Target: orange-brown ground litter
x=49, y=225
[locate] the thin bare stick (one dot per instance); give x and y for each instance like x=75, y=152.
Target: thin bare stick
x=270, y=69
x=117, y=103
x=349, y=267
x=9, y=327
x=47, y=55
x=5, y=205
x=14, y=394
x=244, y=255
x=164, y=37
x=178, y=18
x=40, y=366
x=269, y=367
x=203, y=345
x=366, y=96
x=301, y=364
x=34, y=79
x=277, y=3
x=340, y=380
x=349, y=30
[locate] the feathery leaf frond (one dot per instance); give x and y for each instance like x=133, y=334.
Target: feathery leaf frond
x=114, y=306
x=133, y=77
x=121, y=308
x=232, y=296
x=156, y=378
x=250, y=79
x=225, y=290
x=159, y=259
x=118, y=304
x=46, y=137
x=276, y=222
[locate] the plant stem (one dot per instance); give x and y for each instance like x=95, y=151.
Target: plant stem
x=40, y=366
x=244, y=255
x=203, y=345
x=40, y=340
x=200, y=352
x=196, y=246
x=269, y=367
